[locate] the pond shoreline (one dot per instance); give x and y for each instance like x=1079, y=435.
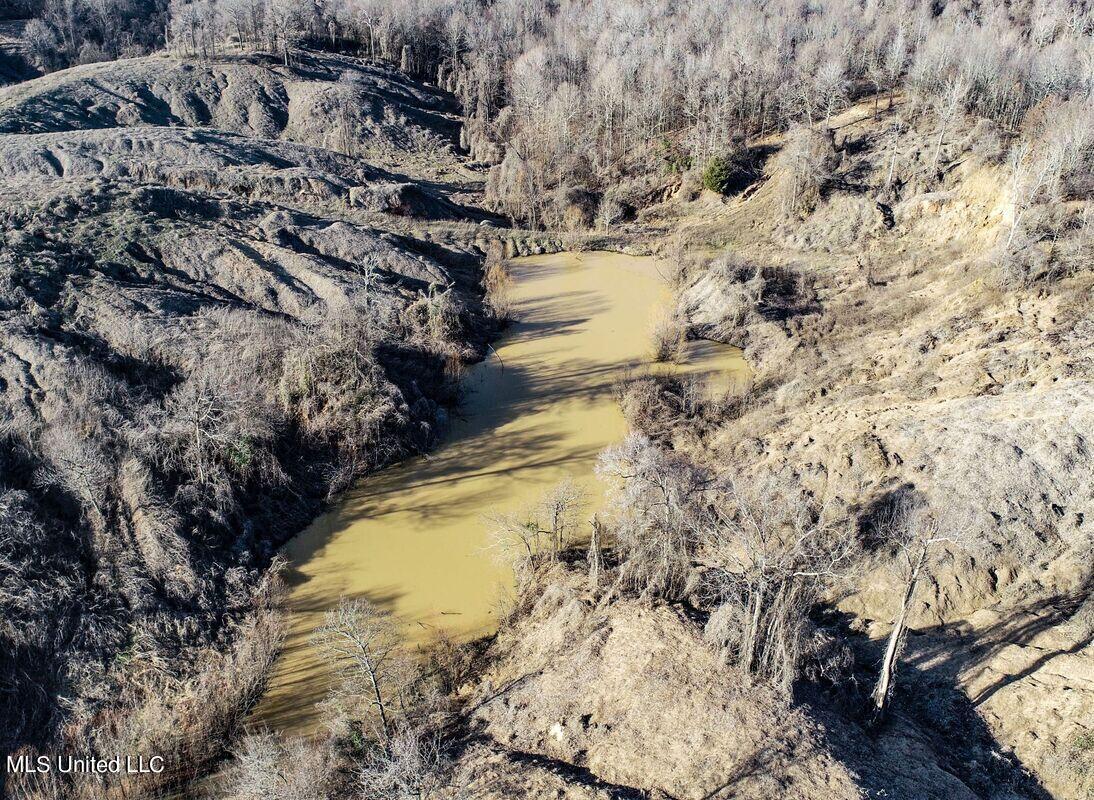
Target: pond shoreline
x=412, y=538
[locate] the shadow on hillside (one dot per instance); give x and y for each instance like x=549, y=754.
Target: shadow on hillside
x=934, y=743
x=945, y=657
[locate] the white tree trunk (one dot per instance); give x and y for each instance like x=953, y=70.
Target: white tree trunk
x=887, y=674
x=596, y=558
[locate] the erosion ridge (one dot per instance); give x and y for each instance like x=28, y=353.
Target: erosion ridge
x=324, y=100
x=210, y=321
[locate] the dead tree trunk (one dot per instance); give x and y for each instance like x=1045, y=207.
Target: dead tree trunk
x=366, y=658
x=883, y=689
x=596, y=556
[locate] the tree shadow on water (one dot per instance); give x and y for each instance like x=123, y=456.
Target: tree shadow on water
x=303, y=677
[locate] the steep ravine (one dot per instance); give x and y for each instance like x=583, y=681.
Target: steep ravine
x=207, y=326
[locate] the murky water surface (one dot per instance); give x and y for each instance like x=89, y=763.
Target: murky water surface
x=414, y=538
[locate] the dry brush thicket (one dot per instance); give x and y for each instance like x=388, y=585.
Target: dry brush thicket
x=577, y=103
x=921, y=321
x=572, y=100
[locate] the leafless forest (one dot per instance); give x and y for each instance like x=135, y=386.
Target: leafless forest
x=581, y=102
x=887, y=204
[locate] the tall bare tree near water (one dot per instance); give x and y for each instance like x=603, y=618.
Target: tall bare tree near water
x=773, y=552
x=401, y=752
x=659, y=502
x=364, y=641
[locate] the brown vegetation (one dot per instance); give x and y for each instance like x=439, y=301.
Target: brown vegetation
x=200, y=342
x=183, y=716
x=386, y=714
x=902, y=358
x=669, y=333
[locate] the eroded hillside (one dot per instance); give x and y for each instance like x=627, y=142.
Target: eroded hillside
x=895, y=351
x=231, y=284
x=899, y=350
x=326, y=101
x=213, y=314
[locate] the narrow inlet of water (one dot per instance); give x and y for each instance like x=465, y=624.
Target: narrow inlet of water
x=414, y=538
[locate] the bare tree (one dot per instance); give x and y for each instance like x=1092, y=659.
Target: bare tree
x=919, y=536
x=79, y=465
x=560, y=509
x=285, y=25
x=404, y=753
x=243, y=19
x=187, y=26
x=596, y=553
x=660, y=505
x=896, y=58
x=948, y=104
x=875, y=70
x=830, y=87
x=364, y=642
x=807, y=159
x=42, y=43
x=536, y=535
x=773, y=552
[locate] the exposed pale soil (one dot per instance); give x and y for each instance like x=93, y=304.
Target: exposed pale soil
x=142, y=195
x=908, y=365
x=627, y=700
x=896, y=361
